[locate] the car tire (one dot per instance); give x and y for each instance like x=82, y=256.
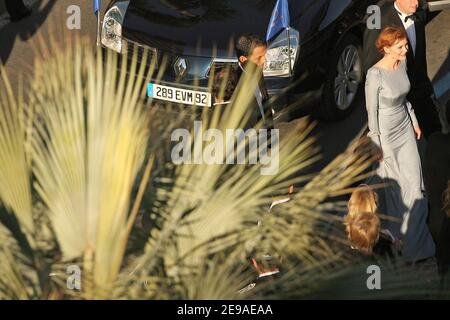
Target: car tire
x=344, y=80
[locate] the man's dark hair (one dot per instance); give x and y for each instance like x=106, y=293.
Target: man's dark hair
x=246, y=43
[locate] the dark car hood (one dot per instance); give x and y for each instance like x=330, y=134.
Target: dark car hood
x=195, y=26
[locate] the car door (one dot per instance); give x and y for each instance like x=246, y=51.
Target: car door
x=306, y=17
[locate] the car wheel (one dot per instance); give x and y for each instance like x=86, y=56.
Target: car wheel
x=344, y=79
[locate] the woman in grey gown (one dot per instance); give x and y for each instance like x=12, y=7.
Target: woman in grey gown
x=393, y=127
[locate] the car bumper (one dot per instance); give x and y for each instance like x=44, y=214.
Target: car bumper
x=276, y=87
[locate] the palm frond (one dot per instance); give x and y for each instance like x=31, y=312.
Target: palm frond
x=15, y=190
x=98, y=159
x=18, y=280
x=88, y=148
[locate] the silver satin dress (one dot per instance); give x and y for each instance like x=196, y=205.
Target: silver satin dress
x=391, y=120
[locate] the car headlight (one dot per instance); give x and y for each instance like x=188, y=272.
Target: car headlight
x=112, y=26
x=277, y=57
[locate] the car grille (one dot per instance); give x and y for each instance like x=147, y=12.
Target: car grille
x=218, y=64
x=131, y=47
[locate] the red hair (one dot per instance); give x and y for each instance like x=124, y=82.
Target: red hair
x=388, y=37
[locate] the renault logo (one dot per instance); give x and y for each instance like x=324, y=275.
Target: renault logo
x=180, y=67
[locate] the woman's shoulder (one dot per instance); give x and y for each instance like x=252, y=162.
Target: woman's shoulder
x=373, y=76
x=375, y=70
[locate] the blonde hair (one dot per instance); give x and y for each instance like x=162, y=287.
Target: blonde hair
x=363, y=199
x=446, y=198
x=362, y=221
x=363, y=231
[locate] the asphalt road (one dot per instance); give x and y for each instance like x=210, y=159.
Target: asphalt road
x=17, y=41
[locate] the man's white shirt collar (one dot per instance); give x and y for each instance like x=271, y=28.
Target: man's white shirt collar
x=409, y=27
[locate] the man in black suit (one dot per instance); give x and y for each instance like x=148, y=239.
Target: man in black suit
x=411, y=16
x=17, y=9
x=251, y=52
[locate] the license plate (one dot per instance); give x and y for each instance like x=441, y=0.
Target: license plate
x=183, y=96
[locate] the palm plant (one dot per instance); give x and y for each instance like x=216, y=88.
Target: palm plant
x=86, y=180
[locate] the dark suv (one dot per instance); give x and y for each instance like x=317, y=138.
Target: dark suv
x=325, y=40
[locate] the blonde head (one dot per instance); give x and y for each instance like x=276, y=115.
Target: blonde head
x=362, y=223
x=363, y=199
x=363, y=231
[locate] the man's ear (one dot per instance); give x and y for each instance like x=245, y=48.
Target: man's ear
x=242, y=59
